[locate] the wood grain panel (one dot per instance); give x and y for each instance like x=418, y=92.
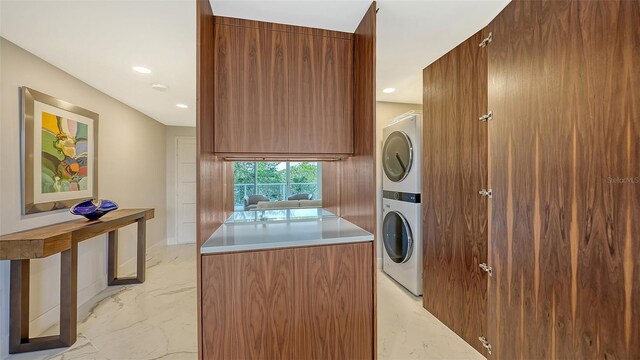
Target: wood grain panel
x=334, y=302
x=321, y=95
x=564, y=235
x=222, y=20
x=331, y=175
x=211, y=172
x=251, y=90
x=357, y=194
x=248, y=302
x=358, y=173
x=455, y=164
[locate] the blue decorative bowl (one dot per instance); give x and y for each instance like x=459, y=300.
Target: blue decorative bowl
x=93, y=209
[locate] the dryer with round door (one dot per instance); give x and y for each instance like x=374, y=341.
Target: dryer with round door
x=400, y=151
x=402, y=239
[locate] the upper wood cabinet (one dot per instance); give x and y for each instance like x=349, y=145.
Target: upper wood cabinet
x=321, y=100
x=251, y=83
x=282, y=90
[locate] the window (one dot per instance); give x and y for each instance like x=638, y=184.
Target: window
x=276, y=180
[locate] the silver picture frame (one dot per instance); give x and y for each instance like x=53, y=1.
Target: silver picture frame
x=30, y=205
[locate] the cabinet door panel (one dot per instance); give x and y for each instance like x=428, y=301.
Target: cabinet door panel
x=321, y=95
x=247, y=305
x=251, y=90
x=334, y=302
x=564, y=236
x=455, y=164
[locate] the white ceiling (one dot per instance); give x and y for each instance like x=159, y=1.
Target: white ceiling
x=99, y=41
x=413, y=34
x=337, y=15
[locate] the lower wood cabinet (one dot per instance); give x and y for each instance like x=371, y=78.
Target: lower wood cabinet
x=334, y=302
x=302, y=303
x=247, y=304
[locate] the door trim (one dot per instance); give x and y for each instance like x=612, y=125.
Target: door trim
x=176, y=166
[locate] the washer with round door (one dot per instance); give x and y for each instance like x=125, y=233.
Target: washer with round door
x=402, y=239
x=400, y=151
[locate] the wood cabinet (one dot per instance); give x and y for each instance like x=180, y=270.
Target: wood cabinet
x=564, y=238
x=282, y=90
x=251, y=86
x=321, y=86
x=302, y=303
x=455, y=164
x=334, y=302
x=247, y=305
x=563, y=233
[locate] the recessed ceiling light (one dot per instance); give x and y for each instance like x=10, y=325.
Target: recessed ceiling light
x=141, y=70
x=388, y=90
x=182, y=106
x=159, y=87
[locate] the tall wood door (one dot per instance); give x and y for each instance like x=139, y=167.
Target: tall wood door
x=564, y=88
x=334, y=302
x=321, y=94
x=251, y=86
x=454, y=170
x=247, y=305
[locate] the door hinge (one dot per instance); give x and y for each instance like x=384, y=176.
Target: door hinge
x=487, y=117
x=485, y=343
x=486, y=192
x=487, y=268
x=486, y=40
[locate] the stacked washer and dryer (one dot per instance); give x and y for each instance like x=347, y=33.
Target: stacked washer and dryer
x=401, y=206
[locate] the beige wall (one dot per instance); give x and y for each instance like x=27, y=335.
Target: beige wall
x=174, y=132
x=132, y=153
x=385, y=111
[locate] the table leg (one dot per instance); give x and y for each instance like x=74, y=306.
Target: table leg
x=142, y=249
x=112, y=254
x=141, y=256
x=69, y=295
x=19, y=340
x=19, y=304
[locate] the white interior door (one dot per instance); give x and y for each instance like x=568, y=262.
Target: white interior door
x=186, y=190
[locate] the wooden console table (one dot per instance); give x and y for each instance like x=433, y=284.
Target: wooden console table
x=63, y=238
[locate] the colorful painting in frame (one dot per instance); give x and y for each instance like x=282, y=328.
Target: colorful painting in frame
x=59, y=153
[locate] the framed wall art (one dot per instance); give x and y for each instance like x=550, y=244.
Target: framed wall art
x=59, y=153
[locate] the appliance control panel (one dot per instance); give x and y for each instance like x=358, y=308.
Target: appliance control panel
x=402, y=196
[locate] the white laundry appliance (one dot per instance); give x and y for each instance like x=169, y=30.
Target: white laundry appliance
x=401, y=203
x=402, y=239
x=401, y=150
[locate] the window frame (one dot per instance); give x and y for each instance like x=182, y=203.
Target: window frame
x=287, y=189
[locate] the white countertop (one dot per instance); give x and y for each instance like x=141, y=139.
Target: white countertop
x=324, y=229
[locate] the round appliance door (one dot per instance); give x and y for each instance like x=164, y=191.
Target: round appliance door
x=397, y=237
x=397, y=156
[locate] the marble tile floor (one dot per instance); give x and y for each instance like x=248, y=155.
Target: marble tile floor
x=157, y=320
x=154, y=320
x=407, y=331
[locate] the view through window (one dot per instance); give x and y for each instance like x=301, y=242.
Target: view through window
x=276, y=180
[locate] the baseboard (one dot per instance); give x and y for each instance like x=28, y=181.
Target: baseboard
x=379, y=263
x=130, y=266
x=52, y=316
x=85, y=294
